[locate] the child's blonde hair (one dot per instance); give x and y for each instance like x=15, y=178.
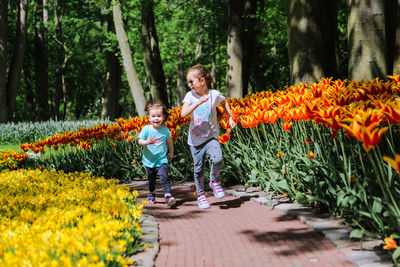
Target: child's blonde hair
x=150, y=105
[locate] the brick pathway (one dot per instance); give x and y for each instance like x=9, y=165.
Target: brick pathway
x=235, y=232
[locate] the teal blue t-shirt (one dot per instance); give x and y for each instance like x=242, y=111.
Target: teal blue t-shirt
x=154, y=155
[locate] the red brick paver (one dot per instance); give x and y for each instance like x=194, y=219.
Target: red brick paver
x=235, y=232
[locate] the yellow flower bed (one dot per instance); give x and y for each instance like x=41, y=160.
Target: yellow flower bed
x=51, y=218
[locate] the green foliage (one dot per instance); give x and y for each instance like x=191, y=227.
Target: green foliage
x=112, y=159
x=120, y=160
x=336, y=178
x=26, y=132
x=197, y=28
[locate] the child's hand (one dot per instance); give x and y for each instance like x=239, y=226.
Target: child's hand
x=151, y=140
x=203, y=99
x=170, y=156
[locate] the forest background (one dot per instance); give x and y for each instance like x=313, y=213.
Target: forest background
x=84, y=59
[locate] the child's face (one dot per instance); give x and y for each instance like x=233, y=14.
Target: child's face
x=195, y=83
x=156, y=117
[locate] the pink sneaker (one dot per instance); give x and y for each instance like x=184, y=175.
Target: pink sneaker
x=217, y=189
x=202, y=202
x=170, y=201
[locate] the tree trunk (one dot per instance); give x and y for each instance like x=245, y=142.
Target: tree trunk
x=152, y=58
x=3, y=60
x=312, y=38
x=133, y=79
x=29, y=96
x=234, y=84
x=250, y=8
x=41, y=60
x=14, y=73
x=59, y=60
x=213, y=71
x=396, y=52
x=199, y=43
x=111, y=91
x=366, y=40
x=180, y=82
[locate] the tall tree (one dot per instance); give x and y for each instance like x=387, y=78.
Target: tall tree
x=133, y=79
x=180, y=81
x=41, y=59
x=14, y=73
x=152, y=58
x=3, y=60
x=111, y=91
x=312, y=36
x=366, y=40
x=249, y=39
x=234, y=83
x=59, y=60
x=396, y=48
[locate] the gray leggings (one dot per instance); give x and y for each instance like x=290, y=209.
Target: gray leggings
x=213, y=149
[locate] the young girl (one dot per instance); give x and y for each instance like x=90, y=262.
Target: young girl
x=202, y=103
x=155, y=138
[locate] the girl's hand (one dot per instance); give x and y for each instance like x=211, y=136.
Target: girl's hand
x=203, y=99
x=170, y=156
x=151, y=140
x=232, y=122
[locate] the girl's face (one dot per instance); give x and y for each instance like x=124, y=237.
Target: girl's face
x=156, y=117
x=198, y=85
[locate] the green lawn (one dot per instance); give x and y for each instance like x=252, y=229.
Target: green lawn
x=10, y=146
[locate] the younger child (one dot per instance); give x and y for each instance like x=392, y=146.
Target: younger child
x=155, y=138
x=202, y=102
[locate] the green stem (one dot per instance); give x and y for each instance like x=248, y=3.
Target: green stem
x=379, y=159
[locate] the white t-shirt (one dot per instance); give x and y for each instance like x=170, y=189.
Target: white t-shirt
x=203, y=125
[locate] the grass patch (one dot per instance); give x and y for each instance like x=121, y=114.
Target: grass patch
x=11, y=146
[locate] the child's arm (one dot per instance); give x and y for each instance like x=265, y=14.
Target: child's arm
x=187, y=108
x=150, y=140
x=227, y=110
x=170, y=146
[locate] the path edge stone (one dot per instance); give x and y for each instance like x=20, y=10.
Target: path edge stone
x=146, y=256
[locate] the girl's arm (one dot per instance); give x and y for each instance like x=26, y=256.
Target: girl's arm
x=187, y=108
x=170, y=146
x=150, y=140
x=227, y=110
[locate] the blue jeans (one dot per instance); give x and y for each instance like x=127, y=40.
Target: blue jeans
x=213, y=149
x=162, y=171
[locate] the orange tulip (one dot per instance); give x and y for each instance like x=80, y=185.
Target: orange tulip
x=371, y=136
x=394, y=78
x=269, y=116
x=353, y=130
x=258, y=114
x=224, y=124
x=249, y=121
x=395, y=163
x=390, y=243
x=287, y=115
x=297, y=114
x=287, y=126
x=266, y=103
x=225, y=137
x=392, y=112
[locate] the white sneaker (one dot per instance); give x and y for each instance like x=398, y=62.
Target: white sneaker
x=202, y=202
x=217, y=189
